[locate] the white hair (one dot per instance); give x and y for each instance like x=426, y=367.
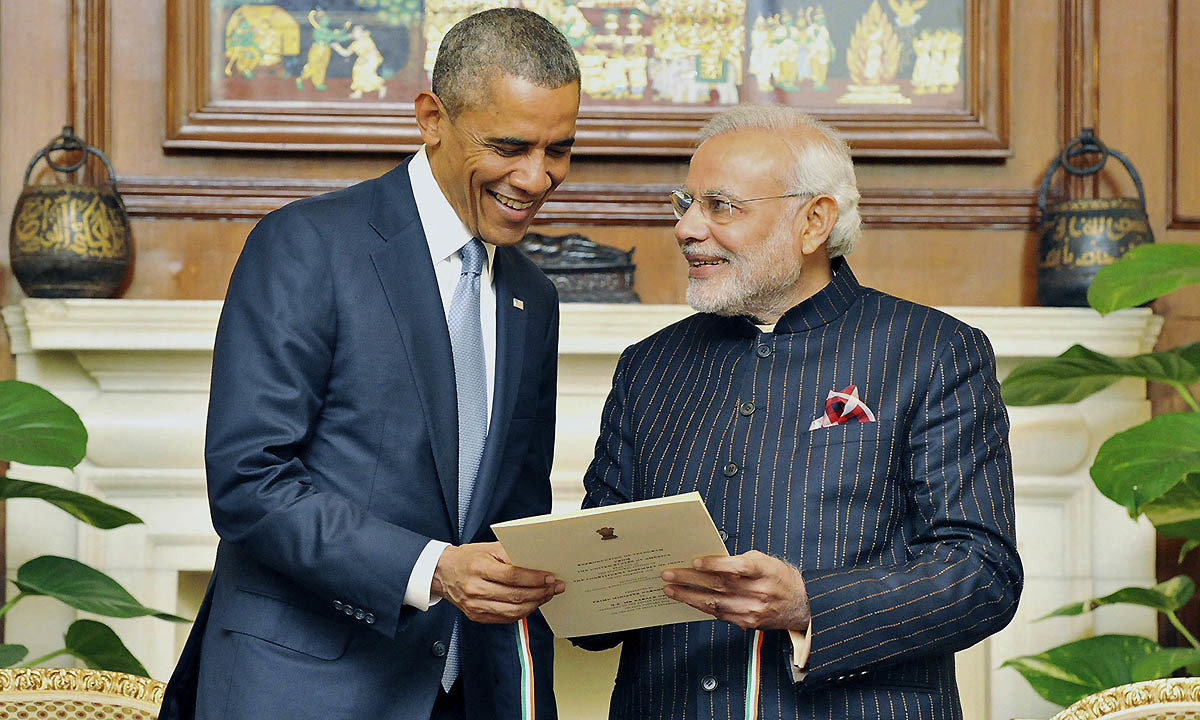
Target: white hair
x=822, y=163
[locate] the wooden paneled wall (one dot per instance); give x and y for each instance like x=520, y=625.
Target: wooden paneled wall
x=955, y=232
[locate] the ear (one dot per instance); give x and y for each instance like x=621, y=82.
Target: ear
x=431, y=113
x=815, y=222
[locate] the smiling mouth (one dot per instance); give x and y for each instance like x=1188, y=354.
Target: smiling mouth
x=701, y=262
x=510, y=202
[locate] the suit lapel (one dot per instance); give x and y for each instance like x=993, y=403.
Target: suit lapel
x=510, y=358
x=406, y=273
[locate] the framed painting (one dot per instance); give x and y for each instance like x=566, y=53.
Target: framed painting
x=925, y=78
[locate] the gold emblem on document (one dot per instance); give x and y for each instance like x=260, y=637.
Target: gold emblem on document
x=606, y=533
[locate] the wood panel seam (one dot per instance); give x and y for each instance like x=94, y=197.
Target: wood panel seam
x=581, y=203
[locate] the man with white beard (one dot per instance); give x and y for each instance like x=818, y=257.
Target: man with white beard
x=851, y=448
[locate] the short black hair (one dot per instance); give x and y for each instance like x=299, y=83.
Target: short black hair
x=514, y=41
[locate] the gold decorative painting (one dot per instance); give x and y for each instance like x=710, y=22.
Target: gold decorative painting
x=341, y=74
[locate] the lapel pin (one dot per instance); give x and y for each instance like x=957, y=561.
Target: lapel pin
x=518, y=303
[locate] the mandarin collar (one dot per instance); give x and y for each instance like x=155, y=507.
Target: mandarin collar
x=827, y=305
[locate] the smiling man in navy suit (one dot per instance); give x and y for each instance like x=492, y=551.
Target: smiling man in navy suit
x=383, y=391
x=851, y=447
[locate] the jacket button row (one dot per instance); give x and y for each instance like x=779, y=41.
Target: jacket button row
x=708, y=683
x=356, y=613
x=438, y=649
x=848, y=676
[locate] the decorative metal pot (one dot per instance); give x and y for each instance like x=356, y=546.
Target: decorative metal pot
x=1078, y=237
x=70, y=240
x=582, y=270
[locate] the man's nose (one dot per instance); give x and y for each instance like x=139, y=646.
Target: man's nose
x=691, y=226
x=532, y=174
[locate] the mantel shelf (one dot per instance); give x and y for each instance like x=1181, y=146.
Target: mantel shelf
x=587, y=329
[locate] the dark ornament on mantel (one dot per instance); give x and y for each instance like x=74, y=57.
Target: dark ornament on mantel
x=582, y=270
x=1078, y=237
x=69, y=239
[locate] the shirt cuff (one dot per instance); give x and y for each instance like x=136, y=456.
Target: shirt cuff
x=801, y=644
x=420, y=579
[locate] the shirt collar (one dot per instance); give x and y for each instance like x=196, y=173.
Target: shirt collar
x=444, y=231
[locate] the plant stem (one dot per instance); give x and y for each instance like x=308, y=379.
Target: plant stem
x=9, y=605
x=1187, y=396
x=44, y=658
x=1182, y=630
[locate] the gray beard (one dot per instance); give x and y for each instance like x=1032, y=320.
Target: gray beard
x=759, y=283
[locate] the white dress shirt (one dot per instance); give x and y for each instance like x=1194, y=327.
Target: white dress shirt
x=446, y=236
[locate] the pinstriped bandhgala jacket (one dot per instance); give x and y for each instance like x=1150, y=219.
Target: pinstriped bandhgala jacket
x=902, y=528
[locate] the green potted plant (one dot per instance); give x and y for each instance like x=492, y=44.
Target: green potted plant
x=1152, y=469
x=36, y=428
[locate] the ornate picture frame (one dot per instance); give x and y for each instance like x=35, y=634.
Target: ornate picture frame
x=899, y=78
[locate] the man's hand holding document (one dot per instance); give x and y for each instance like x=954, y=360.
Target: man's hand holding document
x=612, y=559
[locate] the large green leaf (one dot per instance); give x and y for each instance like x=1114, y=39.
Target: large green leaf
x=99, y=647
x=1163, y=663
x=86, y=508
x=83, y=588
x=12, y=654
x=1176, y=513
x=1080, y=372
x=1143, y=274
x=1166, y=596
x=1136, y=466
x=36, y=428
x=1068, y=672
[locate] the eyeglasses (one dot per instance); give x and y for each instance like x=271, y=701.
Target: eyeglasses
x=716, y=206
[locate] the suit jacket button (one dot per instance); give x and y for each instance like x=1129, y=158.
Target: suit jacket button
x=731, y=469
x=747, y=408
x=708, y=683
x=360, y=614
x=762, y=351
x=369, y=619
x=337, y=605
x=438, y=649
x=724, y=535
x=347, y=609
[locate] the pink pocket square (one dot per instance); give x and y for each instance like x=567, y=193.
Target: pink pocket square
x=841, y=407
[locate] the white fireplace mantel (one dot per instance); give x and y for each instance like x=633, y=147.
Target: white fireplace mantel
x=137, y=372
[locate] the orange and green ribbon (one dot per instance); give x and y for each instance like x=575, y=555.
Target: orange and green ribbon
x=754, y=675
x=525, y=658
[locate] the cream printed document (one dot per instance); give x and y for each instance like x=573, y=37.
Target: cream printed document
x=612, y=558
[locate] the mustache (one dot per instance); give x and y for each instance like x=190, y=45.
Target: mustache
x=697, y=248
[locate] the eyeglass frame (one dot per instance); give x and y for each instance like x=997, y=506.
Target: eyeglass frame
x=677, y=198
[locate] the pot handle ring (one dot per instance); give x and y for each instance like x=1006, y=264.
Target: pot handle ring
x=68, y=140
x=1086, y=143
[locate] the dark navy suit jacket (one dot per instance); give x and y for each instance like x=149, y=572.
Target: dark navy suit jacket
x=902, y=528
x=332, y=460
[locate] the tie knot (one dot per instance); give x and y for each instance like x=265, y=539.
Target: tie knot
x=473, y=255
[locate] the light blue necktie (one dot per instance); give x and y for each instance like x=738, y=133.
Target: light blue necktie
x=470, y=378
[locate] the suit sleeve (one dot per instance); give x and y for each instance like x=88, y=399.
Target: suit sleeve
x=609, y=479
x=272, y=358
x=962, y=578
